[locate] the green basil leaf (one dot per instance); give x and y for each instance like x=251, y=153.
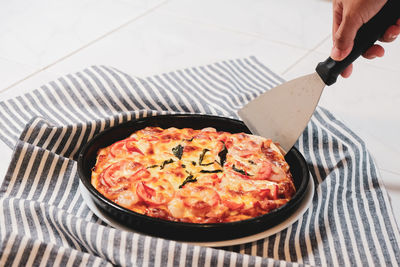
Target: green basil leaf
x=189, y=179
x=178, y=151
x=210, y=171
x=165, y=163
x=222, y=155
x=240, y=171
x=152, y=166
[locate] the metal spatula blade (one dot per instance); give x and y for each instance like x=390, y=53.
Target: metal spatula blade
x=282, y=113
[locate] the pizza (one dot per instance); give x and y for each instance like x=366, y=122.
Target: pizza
x=194, y=176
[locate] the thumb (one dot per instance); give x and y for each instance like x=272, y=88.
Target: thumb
x=343, y=38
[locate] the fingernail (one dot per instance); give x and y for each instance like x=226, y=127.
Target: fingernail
x=336, y=53
x=393, y=36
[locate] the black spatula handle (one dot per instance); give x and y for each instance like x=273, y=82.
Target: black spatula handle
x=366, y=36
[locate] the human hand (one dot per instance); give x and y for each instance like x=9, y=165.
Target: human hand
x=348, y=17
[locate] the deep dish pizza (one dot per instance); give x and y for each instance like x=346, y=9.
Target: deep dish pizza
x=196, y=176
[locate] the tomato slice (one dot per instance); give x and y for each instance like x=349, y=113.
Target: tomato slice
x=141, y=174
x=265, y=171
x=202, y=136
x=121, y=170
x=117, y=148
x=144, y=191
x=232, y=205
x=199, y=198
x=269, y=193
x=266, y=204
x=131, y=146
x=245, y=153
x=151, y=196
x=151, y=138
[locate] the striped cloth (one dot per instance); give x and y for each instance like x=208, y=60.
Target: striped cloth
x=44, y=220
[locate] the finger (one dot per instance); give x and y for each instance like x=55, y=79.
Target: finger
x=374, y=51
x=391, y=34
x=347, y=72
x=337, y=16
x=344, y=36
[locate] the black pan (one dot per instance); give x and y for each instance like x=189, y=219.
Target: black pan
x=178, y=230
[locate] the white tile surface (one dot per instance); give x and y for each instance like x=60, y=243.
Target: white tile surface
x=11, y=71
x=161, y=42
x=300, y=23
x=40, y=32
x=147, y=4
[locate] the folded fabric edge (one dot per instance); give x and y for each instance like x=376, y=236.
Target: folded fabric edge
x=67, y=140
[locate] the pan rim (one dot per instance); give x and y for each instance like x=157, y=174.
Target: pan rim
x=300, y=192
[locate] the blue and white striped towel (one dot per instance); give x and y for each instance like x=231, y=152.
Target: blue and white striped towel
x=44, y=220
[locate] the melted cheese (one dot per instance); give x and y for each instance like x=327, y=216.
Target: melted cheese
x=197, y=176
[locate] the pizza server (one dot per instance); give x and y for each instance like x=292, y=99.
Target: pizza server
x=283, y=112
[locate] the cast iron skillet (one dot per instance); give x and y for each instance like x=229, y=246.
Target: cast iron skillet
x=178, y=230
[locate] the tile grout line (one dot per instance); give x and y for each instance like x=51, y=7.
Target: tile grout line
x=309, y=52
x=232, y=30
x=148, y=11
